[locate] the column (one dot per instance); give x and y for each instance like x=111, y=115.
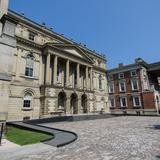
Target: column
x=91, y=78
x=79, y=105
x=68, y=109
x=86, y=77
x=77, y=75
x=55, y=69
x=67, y=73
x=48, y=75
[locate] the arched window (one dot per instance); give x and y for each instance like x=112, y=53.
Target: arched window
x=29, y=65
x=27, y=101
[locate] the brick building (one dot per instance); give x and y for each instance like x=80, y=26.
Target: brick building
x=135, y=88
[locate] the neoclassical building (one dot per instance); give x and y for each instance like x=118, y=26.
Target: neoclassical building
x=43, y=74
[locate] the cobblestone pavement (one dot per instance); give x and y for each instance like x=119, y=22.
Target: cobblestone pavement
x=120, y=138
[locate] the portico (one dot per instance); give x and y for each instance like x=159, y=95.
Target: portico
x=69, y=72
x=69, y=75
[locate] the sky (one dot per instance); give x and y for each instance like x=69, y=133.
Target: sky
x=121, y=29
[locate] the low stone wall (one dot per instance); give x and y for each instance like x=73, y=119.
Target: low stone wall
x=71, y=118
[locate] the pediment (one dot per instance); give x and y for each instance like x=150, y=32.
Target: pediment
x=73, y=50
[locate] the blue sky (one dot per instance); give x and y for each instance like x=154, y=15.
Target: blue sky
x=121, y=29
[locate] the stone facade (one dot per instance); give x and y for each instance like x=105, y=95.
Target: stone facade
x=44, y=74
x=134, y=88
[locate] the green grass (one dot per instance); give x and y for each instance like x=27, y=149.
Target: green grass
x=24, y=137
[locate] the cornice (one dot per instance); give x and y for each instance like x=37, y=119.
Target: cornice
x=19, y=18
x=26, y=41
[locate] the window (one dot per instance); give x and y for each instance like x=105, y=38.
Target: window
x=133, y=73
x=123, y=101
x=27, y=100
x=121, y=75
x=29, y=65
x=134, y=84
x=111, y=88
x=100, y=82
x=136, y=101
x=122, y=86
x=112, y=102
x=31, y=36
x=110, y=77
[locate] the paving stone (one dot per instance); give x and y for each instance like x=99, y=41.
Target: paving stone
x=120, y=138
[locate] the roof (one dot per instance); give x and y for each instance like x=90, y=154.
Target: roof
x=52, y=33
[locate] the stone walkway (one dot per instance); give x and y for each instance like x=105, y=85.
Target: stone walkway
x=121, y=138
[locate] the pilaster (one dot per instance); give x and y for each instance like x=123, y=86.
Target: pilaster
x=48, y=73
x=78, y=75
x=67, y=73
x=86, y=77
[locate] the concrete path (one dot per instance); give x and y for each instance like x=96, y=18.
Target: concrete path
x=7, y=144
x=61, y=137
x=18, y=151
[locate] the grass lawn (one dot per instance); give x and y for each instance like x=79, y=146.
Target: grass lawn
x=23, y=136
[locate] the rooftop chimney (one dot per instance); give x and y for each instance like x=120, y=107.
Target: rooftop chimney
x=120, y=65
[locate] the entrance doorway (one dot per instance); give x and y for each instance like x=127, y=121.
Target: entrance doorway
x=62, y=101
x=84, y=103
x=74, y=103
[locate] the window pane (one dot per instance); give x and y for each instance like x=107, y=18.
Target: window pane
x=112, y=102
x=137, y=103
x=135, y=84
x=123, y=101
x=27, y=100
x=29, y=66
x=122, y=86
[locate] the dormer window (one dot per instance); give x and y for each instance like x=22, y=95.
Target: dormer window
x=31, y=36
x=133, y=73
x=121, y=75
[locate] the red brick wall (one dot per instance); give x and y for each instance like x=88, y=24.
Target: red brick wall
x=148, y=100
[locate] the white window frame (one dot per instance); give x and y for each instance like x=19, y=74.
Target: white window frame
x=110, y=102
x=133, y=89
x=119, y=75
x=134, y=102
x=109, y=88
x=122, y=103
x=29, y=99
x=28, y=66
x=132, y=72
x=120, y=89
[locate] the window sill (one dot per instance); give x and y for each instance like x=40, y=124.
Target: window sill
x=27, y=77
x=137, y=106
x=122, y=91
x=135, y=90
x=123, y=107
x=27, y=109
